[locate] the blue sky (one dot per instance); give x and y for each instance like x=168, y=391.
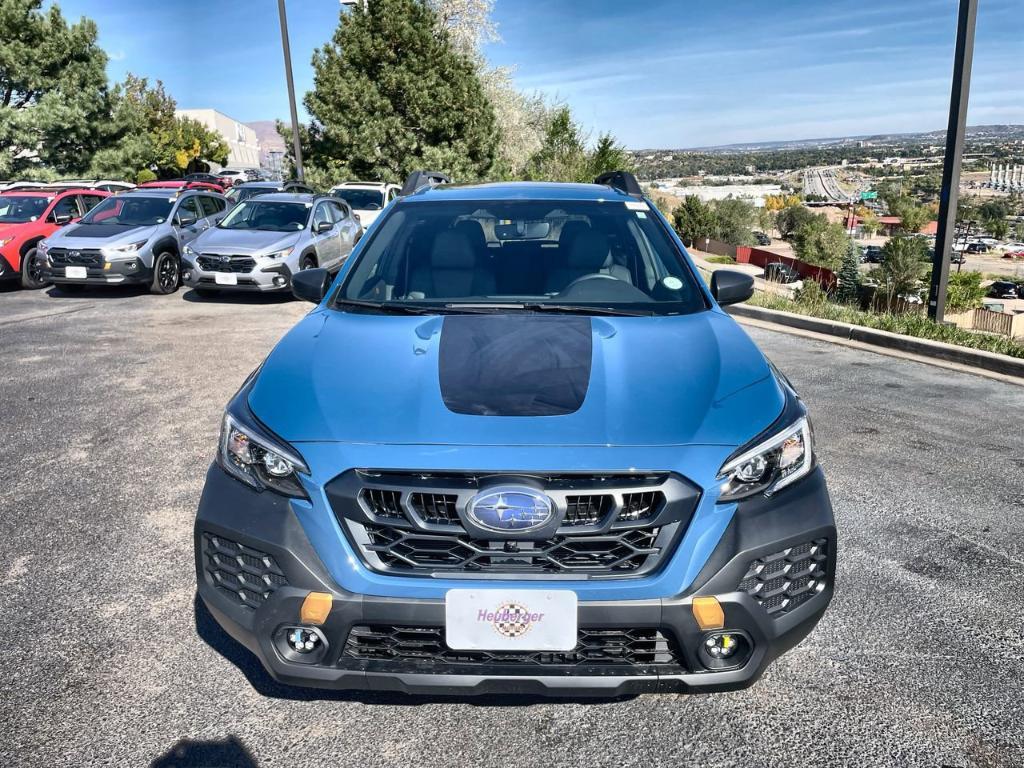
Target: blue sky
x=657, y=73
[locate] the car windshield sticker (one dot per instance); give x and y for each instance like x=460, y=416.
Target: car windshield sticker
x=672, y=283
x=637, y=205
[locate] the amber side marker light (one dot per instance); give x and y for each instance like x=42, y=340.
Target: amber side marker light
x=315, y=608
x=708, y=613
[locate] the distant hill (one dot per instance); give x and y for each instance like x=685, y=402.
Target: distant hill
x=993, y=132
x=266, y=132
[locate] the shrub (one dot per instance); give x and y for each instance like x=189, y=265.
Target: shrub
x=144, y=175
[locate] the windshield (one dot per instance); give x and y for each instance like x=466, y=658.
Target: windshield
x=492, y=256
x=238, y=194
x=360, y=199
x=17, y=210
x=130, y=211
x=267, y=215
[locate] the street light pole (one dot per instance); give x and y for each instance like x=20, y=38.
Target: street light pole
x=296, y=143
x=954, y=150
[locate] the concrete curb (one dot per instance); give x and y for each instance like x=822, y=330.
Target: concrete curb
x=972, y=358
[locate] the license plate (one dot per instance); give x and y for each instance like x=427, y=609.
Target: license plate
x=510, y=619
x=226, y=278
x=76, y=272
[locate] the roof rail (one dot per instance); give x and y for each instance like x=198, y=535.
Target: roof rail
x=624, y=181
x=417, y=180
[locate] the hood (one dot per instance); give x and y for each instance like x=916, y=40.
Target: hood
x=366, y=218
x=523, y=380
x=6, y=230
x=99, y=235
x=243, y=241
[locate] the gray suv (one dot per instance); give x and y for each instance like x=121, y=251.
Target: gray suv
x=132, y=237
x=263, y=241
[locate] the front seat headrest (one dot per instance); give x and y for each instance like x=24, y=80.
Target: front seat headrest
x=452, y=250
x=589, y=251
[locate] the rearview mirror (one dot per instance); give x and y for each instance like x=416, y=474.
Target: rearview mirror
x=731, y=287
x=311, y=284
x=322, y=226
x=186, y=220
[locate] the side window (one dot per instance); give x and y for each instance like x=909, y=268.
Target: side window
x=89, y=202
x=341, y=211
x=211, y=206
x=67, y=206
x=321, y=214
x=189, y=207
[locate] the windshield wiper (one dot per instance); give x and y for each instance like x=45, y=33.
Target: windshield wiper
x=396, y=308
x=579, y=309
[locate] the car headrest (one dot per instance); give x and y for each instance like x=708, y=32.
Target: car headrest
x=452, y=250
x=589, y=251
x=570, y=231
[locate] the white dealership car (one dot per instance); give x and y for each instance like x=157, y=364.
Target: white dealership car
x=366, y=198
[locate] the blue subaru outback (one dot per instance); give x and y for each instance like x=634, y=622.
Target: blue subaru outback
x=517, y=447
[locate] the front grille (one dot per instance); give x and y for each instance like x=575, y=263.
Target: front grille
x=247, y=575
x=425, y=646
x=781, y=581
x=62, y=257
x=411, y=524
x=214, y=263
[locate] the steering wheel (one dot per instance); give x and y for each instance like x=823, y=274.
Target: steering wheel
x=584, y=278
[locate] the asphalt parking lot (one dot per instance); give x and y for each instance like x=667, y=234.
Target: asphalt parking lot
x=111, y=404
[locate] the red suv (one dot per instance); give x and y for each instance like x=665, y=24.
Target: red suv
x=30, y=215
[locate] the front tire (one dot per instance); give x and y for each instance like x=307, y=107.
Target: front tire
x=308, y=262
x=166, y=274
x=31, y=272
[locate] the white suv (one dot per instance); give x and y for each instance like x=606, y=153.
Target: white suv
x=366, y=198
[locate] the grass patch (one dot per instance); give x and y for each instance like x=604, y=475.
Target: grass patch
x=721, y=259
x=918, y=326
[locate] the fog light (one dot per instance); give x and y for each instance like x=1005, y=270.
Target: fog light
x=187, y=274
x=279, y=280
x=721, y=646
x=303, y=640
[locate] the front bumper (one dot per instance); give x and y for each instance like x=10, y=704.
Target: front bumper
x=261, y=538
x=264, y=278
x=121, y=272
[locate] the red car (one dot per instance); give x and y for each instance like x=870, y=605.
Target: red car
x=179, y=184
x=30, y=215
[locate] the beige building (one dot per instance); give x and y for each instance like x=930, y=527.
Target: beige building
x=243, y=145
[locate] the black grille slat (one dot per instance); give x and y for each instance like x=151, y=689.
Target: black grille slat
x=641, y=506
x=633, y=648
x=435, y=507
x=781, y=581
x=383, y=503
x=587, y=510
x=62, y=257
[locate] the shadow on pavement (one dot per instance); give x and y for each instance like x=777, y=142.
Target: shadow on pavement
x=239, y=297
x=94, y=291
x=210, y=632
x=229, y=753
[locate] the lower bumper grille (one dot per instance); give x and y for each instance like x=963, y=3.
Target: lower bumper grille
x=781, y=581
x=632, y=648
x=247, y=575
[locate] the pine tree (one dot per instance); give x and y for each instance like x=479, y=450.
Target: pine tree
x=391, y=95
x=847, y=289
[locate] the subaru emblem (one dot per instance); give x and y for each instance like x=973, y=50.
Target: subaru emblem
x=510, y=508
x=74, y=254
x=225, y=259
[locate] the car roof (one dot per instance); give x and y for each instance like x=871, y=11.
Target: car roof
x=49, y=192
x=520, y=190
x=286, y=197
x=363, y=185
x=263, y=184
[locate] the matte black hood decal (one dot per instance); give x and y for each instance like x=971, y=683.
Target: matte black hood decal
x=515, y=365
x=99, y=230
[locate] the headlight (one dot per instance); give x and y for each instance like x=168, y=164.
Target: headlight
x=5, y=241
x=250, y=455
x=770, y=466
x=42, y=247
x=125, y=250
x=188, y=251
x=281, y=254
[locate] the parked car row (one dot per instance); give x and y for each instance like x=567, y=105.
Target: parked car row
x=166, y=233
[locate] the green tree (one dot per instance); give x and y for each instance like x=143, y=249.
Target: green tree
x=695, y=220
x=608, y=155
x=391, y=95
x=848, y=287
x=789, y=219
x=964, y=292
x=820, y=242
x=563, y=155
x=903, y=265
x=992, y=214
x=53, y=89
x=735, y=220
x=869, y=223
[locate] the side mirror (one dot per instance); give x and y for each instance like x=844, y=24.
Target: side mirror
x=323, y=226
x=186, y=220
x=62, y=218
x=311, y=284
x=731, y=287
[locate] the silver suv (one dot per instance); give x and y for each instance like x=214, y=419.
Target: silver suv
x=263, y=241
x=131, y=237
